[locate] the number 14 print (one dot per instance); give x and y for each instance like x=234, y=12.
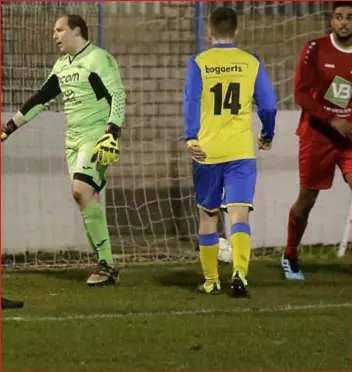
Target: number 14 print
x=231, y=101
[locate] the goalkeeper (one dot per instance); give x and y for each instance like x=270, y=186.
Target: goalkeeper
x=220, y=86
x=94, y=102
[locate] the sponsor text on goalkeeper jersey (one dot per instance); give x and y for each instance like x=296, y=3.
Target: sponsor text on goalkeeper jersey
x=93, y=93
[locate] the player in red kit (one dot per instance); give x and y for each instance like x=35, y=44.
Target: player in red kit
x=323, y=89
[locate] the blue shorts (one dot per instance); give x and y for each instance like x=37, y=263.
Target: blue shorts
x=225, y=184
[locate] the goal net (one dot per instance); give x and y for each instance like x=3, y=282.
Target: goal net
x=149, y=198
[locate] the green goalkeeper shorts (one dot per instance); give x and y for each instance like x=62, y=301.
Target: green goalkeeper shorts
x=79, y=155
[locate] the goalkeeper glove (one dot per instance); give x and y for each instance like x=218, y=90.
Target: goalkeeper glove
x=106, y=151
x=8, y=129
x=3, y=135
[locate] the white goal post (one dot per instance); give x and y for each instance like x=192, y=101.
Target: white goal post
x=346, y=235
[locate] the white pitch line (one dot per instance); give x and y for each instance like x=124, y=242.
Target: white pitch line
x=252, y=310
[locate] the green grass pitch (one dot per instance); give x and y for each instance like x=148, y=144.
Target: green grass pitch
x=155, y=320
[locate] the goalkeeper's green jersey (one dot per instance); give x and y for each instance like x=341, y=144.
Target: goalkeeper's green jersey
x=93, y=93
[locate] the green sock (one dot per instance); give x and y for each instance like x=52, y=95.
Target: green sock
x=97, y=231
x=90, y=239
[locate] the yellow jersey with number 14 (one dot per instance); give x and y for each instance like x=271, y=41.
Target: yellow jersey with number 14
x=220, y=87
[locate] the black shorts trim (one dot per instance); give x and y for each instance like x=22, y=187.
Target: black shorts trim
x=89, y=181
x=224, y=209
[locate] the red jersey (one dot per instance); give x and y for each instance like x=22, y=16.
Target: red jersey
x=323, y=89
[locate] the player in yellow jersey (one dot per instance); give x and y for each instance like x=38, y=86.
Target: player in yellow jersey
x=221, y=84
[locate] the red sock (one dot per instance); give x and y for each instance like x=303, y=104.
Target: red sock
x=295, y=231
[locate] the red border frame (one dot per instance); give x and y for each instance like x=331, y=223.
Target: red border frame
x=25, y=1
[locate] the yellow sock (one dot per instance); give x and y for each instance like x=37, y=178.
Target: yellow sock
x=241, y=247
x=209, y=249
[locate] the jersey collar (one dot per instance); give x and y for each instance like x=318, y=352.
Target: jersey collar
x=223, y=45
x=80, y=52
x=338, y=47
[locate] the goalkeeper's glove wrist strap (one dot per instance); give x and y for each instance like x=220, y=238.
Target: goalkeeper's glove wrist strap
x=10, y=127
x=114, y=130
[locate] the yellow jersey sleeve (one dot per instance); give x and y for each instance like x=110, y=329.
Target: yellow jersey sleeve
x=221, y=85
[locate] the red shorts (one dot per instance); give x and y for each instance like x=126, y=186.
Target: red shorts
x=317, y=163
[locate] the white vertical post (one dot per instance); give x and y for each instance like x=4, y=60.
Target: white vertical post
x=346, y=234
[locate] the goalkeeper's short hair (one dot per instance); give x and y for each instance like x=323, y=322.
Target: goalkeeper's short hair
x=74, y=20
